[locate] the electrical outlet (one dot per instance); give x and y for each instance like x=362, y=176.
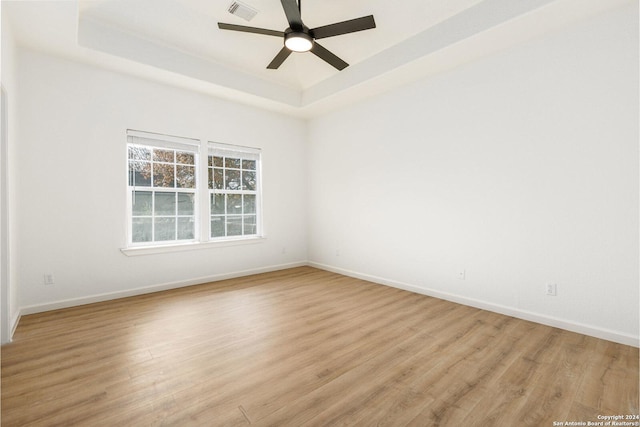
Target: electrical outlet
x=462, y=274
x=552, y=289
x=49, y=279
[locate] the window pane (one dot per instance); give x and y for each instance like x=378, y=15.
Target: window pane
x=218, y=179
x=163, y=175
x=250, y=225
x=169, y=215
x=217, y=204
x=234, y=203
x=234, y=226
x=139, y=174
x=165, y=229
x=186, y=203
x=248, y=180
x=186, y=228
x=185, y=158
x=185, y=176
x=249, y=164
x=160, y=155
x=232, y=179
x=165, y=203
x=142, y=203
x=217, y=226
x=231, y=163
x=217, y=161
x=141, y=230
x=249, y=204
x=139, y=153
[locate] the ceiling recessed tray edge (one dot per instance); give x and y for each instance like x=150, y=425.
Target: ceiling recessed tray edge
x=480, y=18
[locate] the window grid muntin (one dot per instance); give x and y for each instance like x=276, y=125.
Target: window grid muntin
x=177, y=189
x=248, y=221
x=154, y=216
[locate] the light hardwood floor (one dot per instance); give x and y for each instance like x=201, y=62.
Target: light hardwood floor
x=305, y=347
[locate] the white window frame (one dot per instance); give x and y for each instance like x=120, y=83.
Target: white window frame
x=243, y=153
x=202, y=209
x=149, y=140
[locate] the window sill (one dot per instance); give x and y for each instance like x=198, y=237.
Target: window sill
x=191, y=246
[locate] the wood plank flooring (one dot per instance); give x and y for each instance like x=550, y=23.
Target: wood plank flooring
x=305, y=347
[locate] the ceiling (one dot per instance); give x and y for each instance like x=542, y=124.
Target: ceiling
x=178, y=42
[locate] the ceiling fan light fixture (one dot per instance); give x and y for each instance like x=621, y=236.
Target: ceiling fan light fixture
x=300, y=38
x=298, y=41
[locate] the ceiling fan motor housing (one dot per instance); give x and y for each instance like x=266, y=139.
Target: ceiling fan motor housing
x=298, y=41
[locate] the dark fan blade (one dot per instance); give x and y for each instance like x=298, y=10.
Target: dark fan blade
x=293, y=14
x=254, y=30
x=328, y=57
x=344, y=27
x=279, y=59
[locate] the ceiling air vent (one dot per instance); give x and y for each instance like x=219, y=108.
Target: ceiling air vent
x=242, y=10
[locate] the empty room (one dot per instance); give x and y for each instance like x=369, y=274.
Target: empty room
x=320, y=213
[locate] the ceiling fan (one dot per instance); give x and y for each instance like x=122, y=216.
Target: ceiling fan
x=299, y=38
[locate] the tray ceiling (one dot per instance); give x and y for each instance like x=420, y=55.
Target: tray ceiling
x=178, y=42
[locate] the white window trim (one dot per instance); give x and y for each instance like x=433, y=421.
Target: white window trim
x=203, y=229
x=248, y=153
x=191, y=246
x=171, y=143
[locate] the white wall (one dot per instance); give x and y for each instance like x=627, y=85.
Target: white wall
x=72, y=181
x=9, y=275
x=521, y=169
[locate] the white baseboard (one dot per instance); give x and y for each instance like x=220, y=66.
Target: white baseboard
x=39, y=308
x=14, y=324
x=602, y=333
x=580, y=328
